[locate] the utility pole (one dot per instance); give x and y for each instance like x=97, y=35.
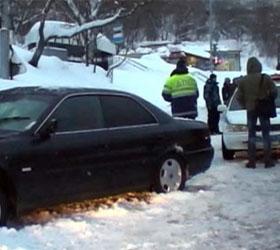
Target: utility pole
x=278, y=52
x=5, y=14
x=211, y=30
x=5, y=40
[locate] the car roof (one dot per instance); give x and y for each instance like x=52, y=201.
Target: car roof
x=59, y=91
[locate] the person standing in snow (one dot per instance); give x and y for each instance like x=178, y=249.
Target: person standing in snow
x=252, y=87
x=181, y=90
x=212, y=98
x=227, y=91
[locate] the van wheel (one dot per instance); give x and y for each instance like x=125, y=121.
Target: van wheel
x=3, y=209
x=227, y=154
x=171, y=174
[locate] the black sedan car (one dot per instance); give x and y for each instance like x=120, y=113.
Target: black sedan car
x=63, y=145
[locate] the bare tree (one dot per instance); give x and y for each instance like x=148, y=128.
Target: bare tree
x=24, y=13
x=162, y=19
x=86, y=21
x=90, y=10
x=42, y=41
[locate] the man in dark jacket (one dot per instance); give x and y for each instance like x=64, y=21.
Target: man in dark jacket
x=181, y=90
x=227, y=90
x=249, y=90
x=212, y=98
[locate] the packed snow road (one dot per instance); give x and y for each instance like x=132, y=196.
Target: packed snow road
x=227, y=207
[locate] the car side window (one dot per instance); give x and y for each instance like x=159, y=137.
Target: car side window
x=121, y=111
x=79, y=113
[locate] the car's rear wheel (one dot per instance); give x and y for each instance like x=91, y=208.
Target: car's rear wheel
x=3, y=209
x=227, y=154
x=171, y=174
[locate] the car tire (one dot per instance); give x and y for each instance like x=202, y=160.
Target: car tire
x=227, y=154
x=171, y=175
x=3, y=209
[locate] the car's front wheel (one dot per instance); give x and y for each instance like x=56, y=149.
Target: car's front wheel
x=171, y=174
x=3, y=209
x=227, y=154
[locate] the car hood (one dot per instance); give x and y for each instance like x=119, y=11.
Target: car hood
x=239, y=117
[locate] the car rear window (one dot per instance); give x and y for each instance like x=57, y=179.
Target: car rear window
x=121, y=111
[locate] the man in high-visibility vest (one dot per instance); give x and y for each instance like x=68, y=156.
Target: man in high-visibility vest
x=181, y=90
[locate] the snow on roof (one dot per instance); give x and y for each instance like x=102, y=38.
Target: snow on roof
x=144, y=50
x=201, y=48
x=58, y=28
x=51, y=28
x=190, y=49
x=62, y=29
x=197, y=48
x=104, y=44
x=154, y=43
x=229, y=44
x=163, y=51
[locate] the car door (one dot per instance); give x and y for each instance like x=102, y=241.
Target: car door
x=134, y=133
x=62, y=165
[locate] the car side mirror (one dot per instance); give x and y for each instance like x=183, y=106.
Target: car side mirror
x=48, y=129
x=222, y=108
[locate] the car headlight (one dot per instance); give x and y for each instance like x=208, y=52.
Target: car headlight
x=235, y=128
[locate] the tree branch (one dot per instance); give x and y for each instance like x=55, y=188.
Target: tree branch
x=41, y=44
x=76, y=29
x=94, y=8
x=75, y=11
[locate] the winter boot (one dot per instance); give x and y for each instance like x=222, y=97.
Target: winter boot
x=269, y=164
x=250, y=165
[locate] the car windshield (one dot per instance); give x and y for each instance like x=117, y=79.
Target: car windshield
x=234, y=105
x=20, y=112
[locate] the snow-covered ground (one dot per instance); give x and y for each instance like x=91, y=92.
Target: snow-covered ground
x=227, y=207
